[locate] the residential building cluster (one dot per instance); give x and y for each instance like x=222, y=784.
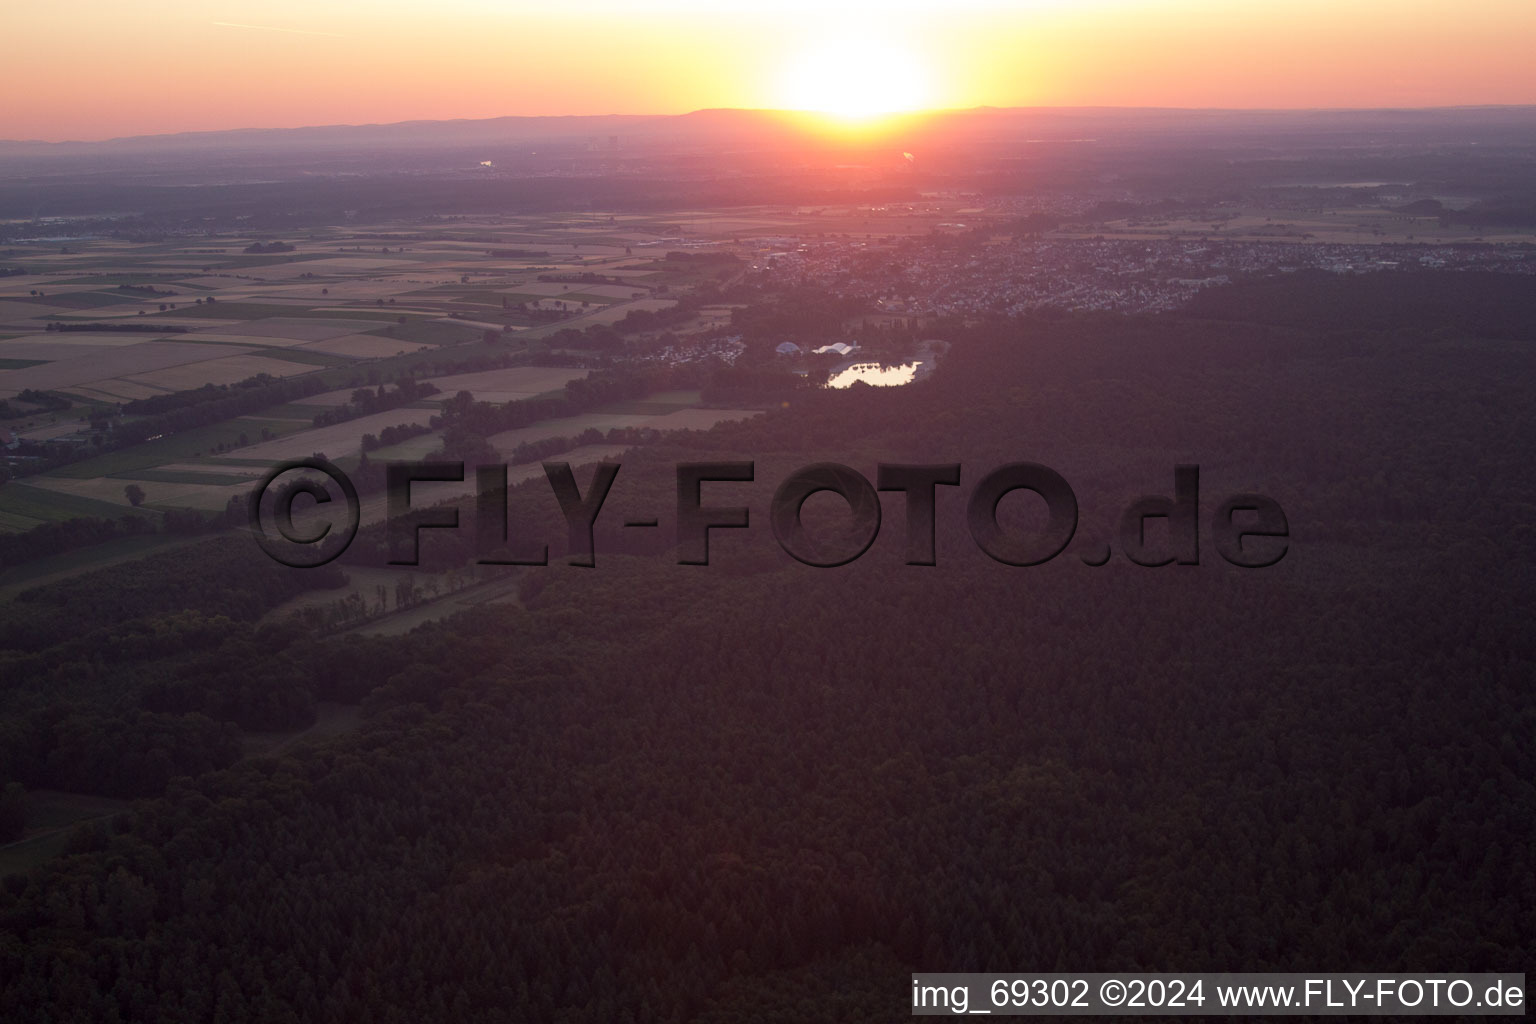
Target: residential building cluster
x=970, y=274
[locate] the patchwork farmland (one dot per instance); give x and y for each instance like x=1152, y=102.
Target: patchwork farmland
x=105, y=344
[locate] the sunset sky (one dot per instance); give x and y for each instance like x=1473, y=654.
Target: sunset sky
x=90, y=69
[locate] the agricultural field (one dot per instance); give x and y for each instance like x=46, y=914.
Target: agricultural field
x=334, y=440
x=197, y=443
x=91, y=366
x=375, y=507
x=23, y=506
x=207, y=497
x=507, y=385
x=365, y=346
x=96, y=324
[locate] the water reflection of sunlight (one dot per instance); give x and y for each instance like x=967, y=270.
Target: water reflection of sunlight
x=874, y=373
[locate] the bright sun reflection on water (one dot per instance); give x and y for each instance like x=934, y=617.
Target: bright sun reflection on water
x=874, y=373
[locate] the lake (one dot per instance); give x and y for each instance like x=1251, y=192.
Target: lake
x=877, y=375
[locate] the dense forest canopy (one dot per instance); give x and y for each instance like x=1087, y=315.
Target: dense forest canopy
x=762, y=791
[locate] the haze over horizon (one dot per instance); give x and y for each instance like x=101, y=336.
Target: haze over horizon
x=869, y=125
x=290, y=65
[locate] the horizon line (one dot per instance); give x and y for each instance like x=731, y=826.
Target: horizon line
x=872, y=118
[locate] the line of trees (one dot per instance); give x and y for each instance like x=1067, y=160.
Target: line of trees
x=105, y=328
x=209, y=405
x=394, y=435
x=43, y=401
x=366, y=401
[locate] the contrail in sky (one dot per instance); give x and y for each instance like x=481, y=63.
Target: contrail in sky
x=274, y=28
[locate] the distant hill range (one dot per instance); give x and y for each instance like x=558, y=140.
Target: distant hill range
x=286, y=177
x=626, y=132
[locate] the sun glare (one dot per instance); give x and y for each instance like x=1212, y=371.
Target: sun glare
x=856, y=78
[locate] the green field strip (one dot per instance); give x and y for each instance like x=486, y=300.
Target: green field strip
x=175, y=476
x=429, y=332
x=219, y=460
x=85, y=300
x=251, y=260
x=11, y=522
x=307, y=356
x=415, y=362
x=19, y=500
x=378, y=314
x=103, y=280
x=188, y=444
x=293, y=410
x=234, y=311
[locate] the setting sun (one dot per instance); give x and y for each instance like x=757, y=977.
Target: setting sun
x=856, y=78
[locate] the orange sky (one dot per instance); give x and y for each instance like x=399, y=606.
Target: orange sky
x=87, y=69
